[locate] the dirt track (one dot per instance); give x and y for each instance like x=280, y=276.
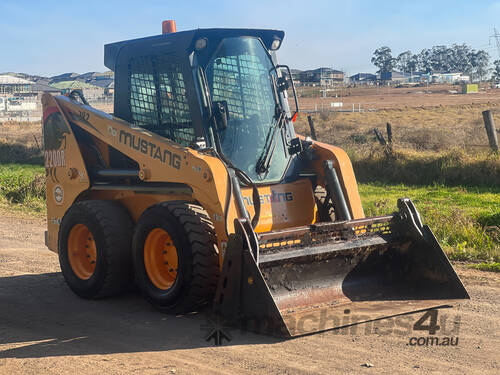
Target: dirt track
x=44, y=328
x=391, y=98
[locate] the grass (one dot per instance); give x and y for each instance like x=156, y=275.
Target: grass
x=436, y=151
x=466, y=221
x=491, y=267
x=434, y=128
x=22, y=187
x=454, y=167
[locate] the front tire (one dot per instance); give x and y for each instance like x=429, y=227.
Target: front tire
x=94, y=248
x=176, y=260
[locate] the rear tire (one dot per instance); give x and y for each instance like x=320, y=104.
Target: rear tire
x=94, y=248
x=326, y=210
x=186, y=280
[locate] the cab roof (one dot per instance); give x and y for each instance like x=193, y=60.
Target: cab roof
x=184, y=40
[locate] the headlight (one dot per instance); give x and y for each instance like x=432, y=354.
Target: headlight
x=275, y=44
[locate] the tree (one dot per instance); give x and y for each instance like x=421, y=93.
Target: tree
x=456, y=58
x=479, y=61
x=404, y=62
x=413, y=63
x=496, y=70
x=440, y=59
x=383, y=60
x=424, y=61
x=460, y=58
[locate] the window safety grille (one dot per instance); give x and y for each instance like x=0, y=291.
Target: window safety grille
x=240, y=80
x=158, y=99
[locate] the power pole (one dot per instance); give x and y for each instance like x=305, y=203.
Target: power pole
x=496, y=35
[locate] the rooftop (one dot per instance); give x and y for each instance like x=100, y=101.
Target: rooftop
x=11, y=80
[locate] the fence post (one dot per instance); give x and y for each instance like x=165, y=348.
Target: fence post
x=389, y=133
x=311, y=126
x=36, y=141
x=489, y=124
x=380, y=137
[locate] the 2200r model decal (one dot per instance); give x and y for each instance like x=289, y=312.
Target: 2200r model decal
x=54, y=158
x=148, y=148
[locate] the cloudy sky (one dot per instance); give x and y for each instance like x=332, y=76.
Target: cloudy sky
x=51, y=37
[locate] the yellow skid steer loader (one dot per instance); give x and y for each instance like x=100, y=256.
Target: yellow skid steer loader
x=199, y=191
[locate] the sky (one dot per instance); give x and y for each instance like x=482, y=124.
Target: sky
x=52, y=37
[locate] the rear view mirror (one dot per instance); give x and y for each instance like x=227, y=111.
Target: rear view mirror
x=221, y=114
x=285, y=81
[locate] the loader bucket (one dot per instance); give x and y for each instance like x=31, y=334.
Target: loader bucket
x=308, y=279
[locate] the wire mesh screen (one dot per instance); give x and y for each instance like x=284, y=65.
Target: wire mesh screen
x=158, y=99
x=143, y=103
x=240, y=81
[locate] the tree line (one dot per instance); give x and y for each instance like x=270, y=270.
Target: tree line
x=443, y=59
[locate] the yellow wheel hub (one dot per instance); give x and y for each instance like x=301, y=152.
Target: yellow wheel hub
x=160, y=258
x=82, y=252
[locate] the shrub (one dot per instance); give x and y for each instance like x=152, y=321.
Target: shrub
x=23, y=185
x=19, y=153
x=359, y=138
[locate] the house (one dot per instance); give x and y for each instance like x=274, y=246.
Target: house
x=363, y=78
x=397, y=77
x=295, y=75
x=12, y=85
x=43, y=87
x=319, y=77
x=95, y=76
x=449, y=77
x=108, y=84
x=63, y=77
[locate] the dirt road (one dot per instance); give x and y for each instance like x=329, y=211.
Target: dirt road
x=390, y=97
x=44, y=328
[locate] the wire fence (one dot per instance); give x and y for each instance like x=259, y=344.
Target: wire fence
x=467, y=136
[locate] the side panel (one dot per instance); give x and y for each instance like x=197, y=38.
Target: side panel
x=283, y=205
x=66, y=175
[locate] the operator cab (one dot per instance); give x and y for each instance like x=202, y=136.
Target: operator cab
x=210, y=88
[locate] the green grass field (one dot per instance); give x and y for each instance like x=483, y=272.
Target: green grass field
x=466, y=221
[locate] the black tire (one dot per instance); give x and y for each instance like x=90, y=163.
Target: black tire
x=326, y=210
x=111, y=227
x=193, y=236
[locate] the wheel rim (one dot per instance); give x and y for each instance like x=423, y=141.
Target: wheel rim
x=160, y=259
x=82, y=251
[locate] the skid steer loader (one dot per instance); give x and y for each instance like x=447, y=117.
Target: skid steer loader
x=199, y=191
